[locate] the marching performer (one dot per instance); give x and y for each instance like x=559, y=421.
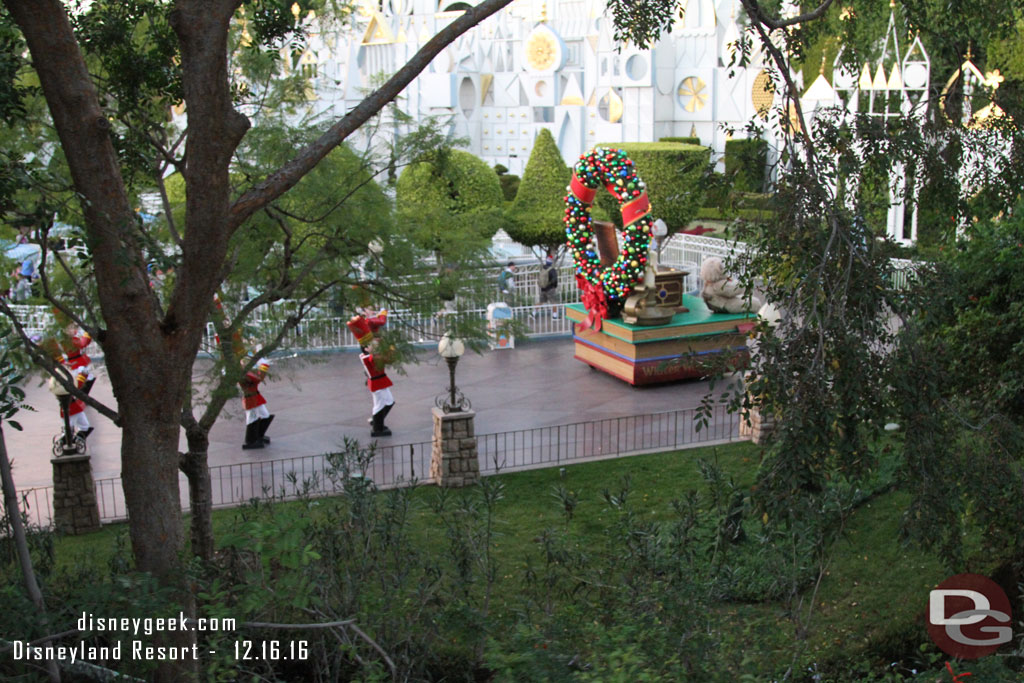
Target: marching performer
x=68, y=349
x=373, y=360
x=72, y=410
x=257, y=417
x=77, y=361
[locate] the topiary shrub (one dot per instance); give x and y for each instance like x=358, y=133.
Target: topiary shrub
x=745, y=162
x=509, y=182
x=448, y=195
x=535, y=217
x=688, y=140
x=451, y=180
x=672, y=172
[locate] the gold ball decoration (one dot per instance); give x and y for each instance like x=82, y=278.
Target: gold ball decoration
x=762, y=94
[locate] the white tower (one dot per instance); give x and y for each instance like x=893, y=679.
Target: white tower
x=896, y=85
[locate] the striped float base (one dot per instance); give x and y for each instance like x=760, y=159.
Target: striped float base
x=693, y=344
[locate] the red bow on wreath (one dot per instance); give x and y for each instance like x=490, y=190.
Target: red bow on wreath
x=596, y=303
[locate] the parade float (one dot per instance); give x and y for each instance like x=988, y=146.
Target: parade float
x=635, y=322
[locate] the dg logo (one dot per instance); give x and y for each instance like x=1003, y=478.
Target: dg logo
x=969, y=616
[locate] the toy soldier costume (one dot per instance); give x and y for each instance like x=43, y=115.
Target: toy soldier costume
x=77, y=361
x=379, y=385
x=373, y=362
x=257, y=416
x=76, y=407
x=68, y=350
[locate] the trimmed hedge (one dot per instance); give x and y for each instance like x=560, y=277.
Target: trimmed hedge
x=745, y=162
x=688, y=140
x=713, y=213
x=452, y=182
x=672, y=172
x=535, y=217
x=509, y=182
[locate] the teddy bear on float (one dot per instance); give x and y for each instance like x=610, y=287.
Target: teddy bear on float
x=723, y=294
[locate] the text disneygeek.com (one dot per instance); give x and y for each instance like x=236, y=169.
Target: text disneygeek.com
x=142, y=650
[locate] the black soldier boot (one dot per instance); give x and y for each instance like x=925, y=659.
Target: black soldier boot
x=264, y=423
x=383, y=415
x=252, y=436
x=378, y=425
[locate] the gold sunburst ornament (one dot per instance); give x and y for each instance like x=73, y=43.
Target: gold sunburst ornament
x=540, y=52
x=693, y=92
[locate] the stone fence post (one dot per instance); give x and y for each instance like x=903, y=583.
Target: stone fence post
x=453, y=459
x=760, y=428
x=74, y=495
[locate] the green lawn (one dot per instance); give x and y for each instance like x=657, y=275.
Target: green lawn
x=870, y=601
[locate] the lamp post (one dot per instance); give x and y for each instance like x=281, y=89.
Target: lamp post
x=453, y=454
x=451, y=349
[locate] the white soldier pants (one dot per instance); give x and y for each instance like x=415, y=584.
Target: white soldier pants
x=257, y=413
x=79, y=422
x=382, y=398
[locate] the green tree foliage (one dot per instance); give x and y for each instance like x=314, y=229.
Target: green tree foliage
x=642, y=21
x=535, y=217
x=672, y=173
x=746, y=161
x=108, y=90
x=1007, y=55
x=448, y=198
x=452, y=180
x=332, y=215
x=959, y=383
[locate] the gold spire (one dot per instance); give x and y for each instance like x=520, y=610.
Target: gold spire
x=296, y=10
x=544, y=12
x=821, y=69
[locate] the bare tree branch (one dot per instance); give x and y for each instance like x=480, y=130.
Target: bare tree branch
x=79, y=290
x=756, y=14
x=166, y=202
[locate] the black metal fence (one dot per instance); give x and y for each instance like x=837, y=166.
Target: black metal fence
x=407, y=464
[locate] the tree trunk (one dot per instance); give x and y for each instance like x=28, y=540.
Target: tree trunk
x=140, y=352
x=144, y=354
x=150, y=353
x=195, y=465
x=149, y=475
x=149, y=459
x=28, y=574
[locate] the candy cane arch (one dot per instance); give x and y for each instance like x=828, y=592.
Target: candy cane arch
x=603, y=284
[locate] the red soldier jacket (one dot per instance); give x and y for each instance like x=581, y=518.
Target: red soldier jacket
x=251, y=396
x=375, y=377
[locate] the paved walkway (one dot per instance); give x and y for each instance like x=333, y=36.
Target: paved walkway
x=320, y=399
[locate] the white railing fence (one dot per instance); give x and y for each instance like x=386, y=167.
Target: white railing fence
x=502, y=244
x=324, y=331
x=324, y=334
x=409, y=464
